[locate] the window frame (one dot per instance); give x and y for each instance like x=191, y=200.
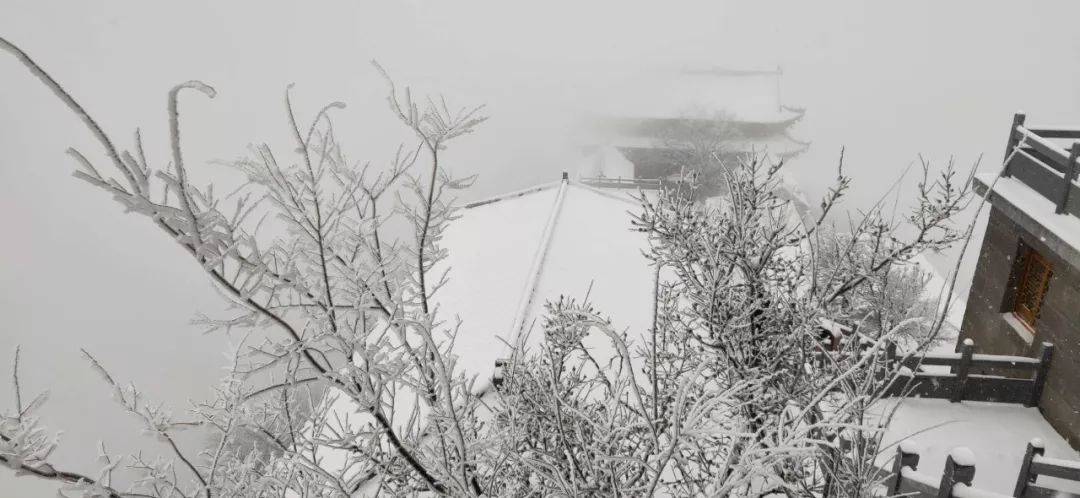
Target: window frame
x=1034, y=272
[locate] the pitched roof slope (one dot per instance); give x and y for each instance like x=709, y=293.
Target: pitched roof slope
x=507, y=258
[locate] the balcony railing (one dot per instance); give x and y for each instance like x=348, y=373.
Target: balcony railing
x=1043, y=165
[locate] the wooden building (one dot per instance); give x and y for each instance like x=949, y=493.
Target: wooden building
x=668, y=121
x=665, y=124
x=1026, y=286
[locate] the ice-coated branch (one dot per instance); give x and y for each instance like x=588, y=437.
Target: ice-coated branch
x=70, y=102
x=178, y=162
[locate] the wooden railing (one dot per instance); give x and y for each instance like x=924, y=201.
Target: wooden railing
x=961, y=384
x=1042, y=165
x=907, y=480
x=964, y=379
x=959, y=472
x=1035, y=464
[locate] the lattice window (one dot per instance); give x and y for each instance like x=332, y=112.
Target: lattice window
x=1035, y=273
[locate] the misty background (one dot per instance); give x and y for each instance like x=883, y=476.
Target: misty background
x=888, y=82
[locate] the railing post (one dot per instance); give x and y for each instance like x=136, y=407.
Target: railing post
x=1046, y=353
x=959, y=468
x=907, y=455
x=1070, y=175
x=966, y=351
x=1026, y=478
x=1014, y=140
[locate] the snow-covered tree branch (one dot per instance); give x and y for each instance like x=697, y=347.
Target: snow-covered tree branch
x=346, y=382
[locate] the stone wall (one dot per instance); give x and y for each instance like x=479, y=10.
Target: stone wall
x=991, y=298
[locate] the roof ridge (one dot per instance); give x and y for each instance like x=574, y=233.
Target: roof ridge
x=604, y=193
x=515, y=193
x=526, y=299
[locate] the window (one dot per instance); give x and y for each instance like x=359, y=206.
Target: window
x=1034, y=279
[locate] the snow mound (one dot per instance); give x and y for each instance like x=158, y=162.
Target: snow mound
x=910, y=446
x=962, y=455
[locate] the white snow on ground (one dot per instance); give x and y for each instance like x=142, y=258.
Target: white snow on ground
x=997, y=434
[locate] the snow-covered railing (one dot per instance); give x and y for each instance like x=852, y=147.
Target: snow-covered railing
x=906, y=479
x=1042, y=165
x=642, y=183
x=970, y=376
x=1035, y=464
x=985, y=384
x=959, y=473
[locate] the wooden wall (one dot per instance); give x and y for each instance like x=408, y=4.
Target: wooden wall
x=991, y=296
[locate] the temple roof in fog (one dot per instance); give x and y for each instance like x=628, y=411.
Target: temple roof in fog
x=666, y=109
x=781, y=145
x=739, y=95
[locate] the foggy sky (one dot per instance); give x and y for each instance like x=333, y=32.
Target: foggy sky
x=887, y=81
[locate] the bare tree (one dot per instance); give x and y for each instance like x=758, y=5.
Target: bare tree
x=728, y=393
x=298, y=253
x=694, y=142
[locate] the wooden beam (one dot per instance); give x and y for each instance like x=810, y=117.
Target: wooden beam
x=1070, y=175
x=1046, y=354
x=967, y=349
x=1026, y=478
x=1014, y=139
x=1056, y=132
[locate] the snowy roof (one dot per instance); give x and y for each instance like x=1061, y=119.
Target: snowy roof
x=937, y=288
x=509, y=255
